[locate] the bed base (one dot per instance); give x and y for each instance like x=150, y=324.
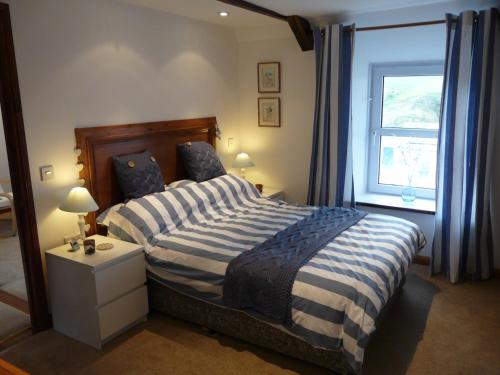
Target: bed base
x=240, y=325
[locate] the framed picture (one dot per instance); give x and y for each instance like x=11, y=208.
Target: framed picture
x=269, y=77
x=269, y=112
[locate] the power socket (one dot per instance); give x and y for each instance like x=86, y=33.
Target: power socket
x=68, y=239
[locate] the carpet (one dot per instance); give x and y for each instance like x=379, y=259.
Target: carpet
x=12, y=321
x=433, y=328
x=11, y=265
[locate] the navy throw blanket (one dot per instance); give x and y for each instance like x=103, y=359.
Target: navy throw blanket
x=261, y=279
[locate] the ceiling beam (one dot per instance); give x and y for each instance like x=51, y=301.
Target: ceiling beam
x=255, y=8
x=299, y=25
x=302, y=31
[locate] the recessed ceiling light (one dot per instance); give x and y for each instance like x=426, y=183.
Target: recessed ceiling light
x=223, y=14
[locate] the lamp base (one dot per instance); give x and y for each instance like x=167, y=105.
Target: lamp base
x=81, y=225
x=242, y=173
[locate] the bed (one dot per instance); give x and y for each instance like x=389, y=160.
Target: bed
x=193, y=234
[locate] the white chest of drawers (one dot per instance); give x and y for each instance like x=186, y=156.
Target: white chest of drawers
x=96, y=297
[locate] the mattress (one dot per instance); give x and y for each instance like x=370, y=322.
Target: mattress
x=191, y=234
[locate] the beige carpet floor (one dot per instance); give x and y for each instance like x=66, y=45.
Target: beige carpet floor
x=11, y=264
x=12, y=321
x=434, y=328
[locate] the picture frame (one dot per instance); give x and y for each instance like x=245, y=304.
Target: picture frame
x=269, y=77
x=269, y=112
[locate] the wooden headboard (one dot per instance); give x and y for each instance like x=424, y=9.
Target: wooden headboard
x=99, y=144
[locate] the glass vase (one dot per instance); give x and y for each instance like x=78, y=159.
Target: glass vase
x=408, y=194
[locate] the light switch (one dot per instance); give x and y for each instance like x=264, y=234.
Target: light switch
x=47, y=172
x=230, y=143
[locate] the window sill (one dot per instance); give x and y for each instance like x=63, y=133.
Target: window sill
x=425, y=206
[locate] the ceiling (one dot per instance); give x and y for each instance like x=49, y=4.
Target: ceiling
x=321, y=8
x=206, y=10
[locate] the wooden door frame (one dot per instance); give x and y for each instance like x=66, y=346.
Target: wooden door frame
x=17, y=152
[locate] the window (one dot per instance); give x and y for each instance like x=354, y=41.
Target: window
x=404, y=125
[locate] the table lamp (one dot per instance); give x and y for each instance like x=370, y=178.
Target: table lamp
x=243, y=161
x=79, y=201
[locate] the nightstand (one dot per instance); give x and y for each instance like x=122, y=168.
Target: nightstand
x=273, y=193
x=96, y=297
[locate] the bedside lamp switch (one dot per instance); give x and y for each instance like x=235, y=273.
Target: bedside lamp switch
x=47, y=172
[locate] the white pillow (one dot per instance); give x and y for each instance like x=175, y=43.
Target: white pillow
x=106, y=216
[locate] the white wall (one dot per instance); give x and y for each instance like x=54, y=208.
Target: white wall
x=98, y=62
x=281, y=155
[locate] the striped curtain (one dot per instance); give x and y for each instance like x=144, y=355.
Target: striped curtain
x=330, y=180
x=463, y=245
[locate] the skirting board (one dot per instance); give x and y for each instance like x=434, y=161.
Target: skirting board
x=422, y=260
x=14, y=301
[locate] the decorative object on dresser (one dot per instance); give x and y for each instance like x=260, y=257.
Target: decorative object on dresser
x=95, y=298
x=268, y=75
x=269, y=112
x=75, y=246
x=242, y=161
x=79, y=201
x=104, y=246
x=273, y=193
x=89, y=246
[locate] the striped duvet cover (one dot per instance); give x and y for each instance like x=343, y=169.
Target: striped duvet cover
x=190, y=234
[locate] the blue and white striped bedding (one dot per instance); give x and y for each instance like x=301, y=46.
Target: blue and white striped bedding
x=190, y=234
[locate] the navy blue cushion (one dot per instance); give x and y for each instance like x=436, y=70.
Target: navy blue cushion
x=138, y=175
x=201, y=161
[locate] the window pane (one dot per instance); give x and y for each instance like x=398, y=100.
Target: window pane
x=408, y=161
x=412, y=102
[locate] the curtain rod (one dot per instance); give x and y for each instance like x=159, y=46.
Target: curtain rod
x=396, y=26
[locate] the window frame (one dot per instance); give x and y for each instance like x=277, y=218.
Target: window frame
x=375, y=129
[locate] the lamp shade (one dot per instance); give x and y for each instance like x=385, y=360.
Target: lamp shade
x=79, y=200
x=242, y=160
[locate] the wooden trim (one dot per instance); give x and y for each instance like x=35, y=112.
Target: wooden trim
x=5, y=210
x=422, y=260
x=17, y=153
x=8, y=369
x=14, y=301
